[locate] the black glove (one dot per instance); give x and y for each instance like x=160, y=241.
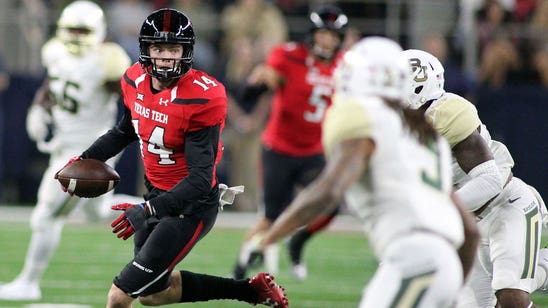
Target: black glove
x=132, y=219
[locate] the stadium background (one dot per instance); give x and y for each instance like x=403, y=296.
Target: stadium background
x=515, y=109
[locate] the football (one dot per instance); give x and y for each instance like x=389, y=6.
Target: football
x=88, y=178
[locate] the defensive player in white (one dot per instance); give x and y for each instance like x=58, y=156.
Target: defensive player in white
x=395, y=172
x=78, y=99
x=508, y=210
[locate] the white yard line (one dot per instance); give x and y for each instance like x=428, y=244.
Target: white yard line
x=226, y=219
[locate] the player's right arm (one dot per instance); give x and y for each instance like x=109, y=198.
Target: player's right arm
x=261, y=79
x=266, y=76
x=39, y=114
x=42, y=97
x=457, y=120
x=475, y=158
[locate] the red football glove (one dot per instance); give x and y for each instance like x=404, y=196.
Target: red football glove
x=131, y=220
x=72, y=159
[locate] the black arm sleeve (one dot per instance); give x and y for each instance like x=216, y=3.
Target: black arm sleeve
x=200, y=153
x=251, y=92
x=113, y=141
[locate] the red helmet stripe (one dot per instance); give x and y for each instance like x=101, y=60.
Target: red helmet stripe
x=167, y=20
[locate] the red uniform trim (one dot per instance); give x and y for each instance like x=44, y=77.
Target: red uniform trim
x=167, y=20
x=187, y=247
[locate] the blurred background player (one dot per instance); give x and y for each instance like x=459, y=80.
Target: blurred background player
x=78, y=100
x=247, y=38
x=300, y=74
x=509, y=212
x=177, y=115
x=395, y=173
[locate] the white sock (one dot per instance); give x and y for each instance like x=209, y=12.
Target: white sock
x=271, y=258
x=245, y=253
x=249, y=247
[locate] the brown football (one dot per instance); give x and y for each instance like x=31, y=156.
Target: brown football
x=88, y=178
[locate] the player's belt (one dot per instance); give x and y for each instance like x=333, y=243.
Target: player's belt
x=485, y=209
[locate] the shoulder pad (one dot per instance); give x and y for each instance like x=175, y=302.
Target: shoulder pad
x=453, y=117
x=114, y=60
x=345, y=119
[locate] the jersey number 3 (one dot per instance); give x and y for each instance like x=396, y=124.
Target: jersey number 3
x=433, y=178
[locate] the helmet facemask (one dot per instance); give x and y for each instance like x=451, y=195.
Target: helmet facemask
x=165, y=72
x=171, y=68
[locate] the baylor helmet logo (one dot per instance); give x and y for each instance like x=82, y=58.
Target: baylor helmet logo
x=419, y=71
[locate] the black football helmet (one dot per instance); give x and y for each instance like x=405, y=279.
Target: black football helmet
x=167, y=26
x=327, y=17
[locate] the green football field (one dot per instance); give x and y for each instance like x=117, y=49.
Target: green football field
x=89, y=257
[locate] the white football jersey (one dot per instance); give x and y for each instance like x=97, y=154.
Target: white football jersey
x=406, y=186
x=456, y=118
x=83, y=108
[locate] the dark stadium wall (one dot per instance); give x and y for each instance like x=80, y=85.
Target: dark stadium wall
x=22, y=164
x=515, y=115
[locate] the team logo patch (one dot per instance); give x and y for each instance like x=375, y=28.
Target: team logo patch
x=140, y=96
x=163, y=101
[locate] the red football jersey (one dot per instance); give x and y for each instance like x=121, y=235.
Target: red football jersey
x=299, y=105
x=161, y=120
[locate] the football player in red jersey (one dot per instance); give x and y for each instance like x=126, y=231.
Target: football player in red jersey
x=300, y=74
x=177, y=114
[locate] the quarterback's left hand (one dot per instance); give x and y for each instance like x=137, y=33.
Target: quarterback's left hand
x=131, y=220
